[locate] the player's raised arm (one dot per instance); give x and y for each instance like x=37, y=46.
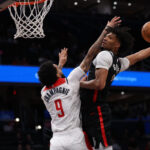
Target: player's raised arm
x=95, y=48
x=62, y=57
x=136, y=57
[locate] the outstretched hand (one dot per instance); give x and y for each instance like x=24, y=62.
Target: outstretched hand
x=63, y=57
x=116, y=21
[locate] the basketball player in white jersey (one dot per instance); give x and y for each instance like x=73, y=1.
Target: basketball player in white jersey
x=61, y=98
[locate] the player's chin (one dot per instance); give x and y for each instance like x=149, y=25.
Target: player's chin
x=103, y=46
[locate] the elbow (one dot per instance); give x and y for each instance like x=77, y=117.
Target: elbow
x=100, y=86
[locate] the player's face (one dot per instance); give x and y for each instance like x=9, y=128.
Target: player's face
x=59, y=72
x=110, y=42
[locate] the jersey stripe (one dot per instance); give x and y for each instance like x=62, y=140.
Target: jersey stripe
x=87, y=141
x=102, y=126
x=95, y=96
x=57, y=83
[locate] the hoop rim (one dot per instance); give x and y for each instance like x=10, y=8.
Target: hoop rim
x=27, y=3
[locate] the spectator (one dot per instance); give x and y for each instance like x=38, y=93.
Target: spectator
x=19, y=138
x=28, y=147
x=19, y=147
x=28, y=139
x=147, y=145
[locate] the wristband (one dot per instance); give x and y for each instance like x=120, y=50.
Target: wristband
x=108, y=28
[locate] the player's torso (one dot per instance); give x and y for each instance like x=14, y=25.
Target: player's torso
x=63, y=104
x=112, y=72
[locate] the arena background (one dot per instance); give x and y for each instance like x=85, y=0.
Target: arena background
x=74, y=24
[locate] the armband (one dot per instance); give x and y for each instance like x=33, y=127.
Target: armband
x=108, y=28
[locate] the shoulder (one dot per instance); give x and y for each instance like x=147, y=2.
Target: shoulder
x=124, y=63
x=103, y=60
x=104, y=54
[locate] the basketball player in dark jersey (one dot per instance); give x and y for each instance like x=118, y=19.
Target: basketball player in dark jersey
x=96, y=114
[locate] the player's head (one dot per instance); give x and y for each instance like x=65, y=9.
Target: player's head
x=49, y=73
x=118, y=40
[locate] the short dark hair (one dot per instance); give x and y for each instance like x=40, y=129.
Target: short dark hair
x=125, y=38
x=47, y=73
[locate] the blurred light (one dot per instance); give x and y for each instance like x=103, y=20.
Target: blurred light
x=122, y=92
x=85, y=0
x=75, y=3
x=38, y=127
x=14, y=92
x=17, y=119
x=114, y=7
x=98, y=1
x=115, y=3
x=129, y=4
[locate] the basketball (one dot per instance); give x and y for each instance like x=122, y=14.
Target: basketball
x=146, y=32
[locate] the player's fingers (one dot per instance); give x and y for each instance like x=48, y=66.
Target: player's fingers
x=116, y=19
x=66, y=50
x=63, y=51
x=118, y=22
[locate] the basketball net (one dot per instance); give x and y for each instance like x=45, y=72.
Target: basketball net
x=28, y=17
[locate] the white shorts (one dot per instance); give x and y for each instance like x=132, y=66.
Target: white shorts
x=68, y=140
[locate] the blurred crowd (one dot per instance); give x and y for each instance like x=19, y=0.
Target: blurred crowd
x=133, y=111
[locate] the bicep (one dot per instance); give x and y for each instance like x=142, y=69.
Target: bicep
x=101, y=77
x=132, y=59
x=138, y=56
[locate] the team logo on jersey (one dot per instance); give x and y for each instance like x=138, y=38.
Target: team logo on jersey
x=116, y=68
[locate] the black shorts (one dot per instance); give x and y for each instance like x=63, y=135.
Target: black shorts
x=96, y=123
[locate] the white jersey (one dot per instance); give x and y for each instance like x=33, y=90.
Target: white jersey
x=63, y=102
x=104, y=60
